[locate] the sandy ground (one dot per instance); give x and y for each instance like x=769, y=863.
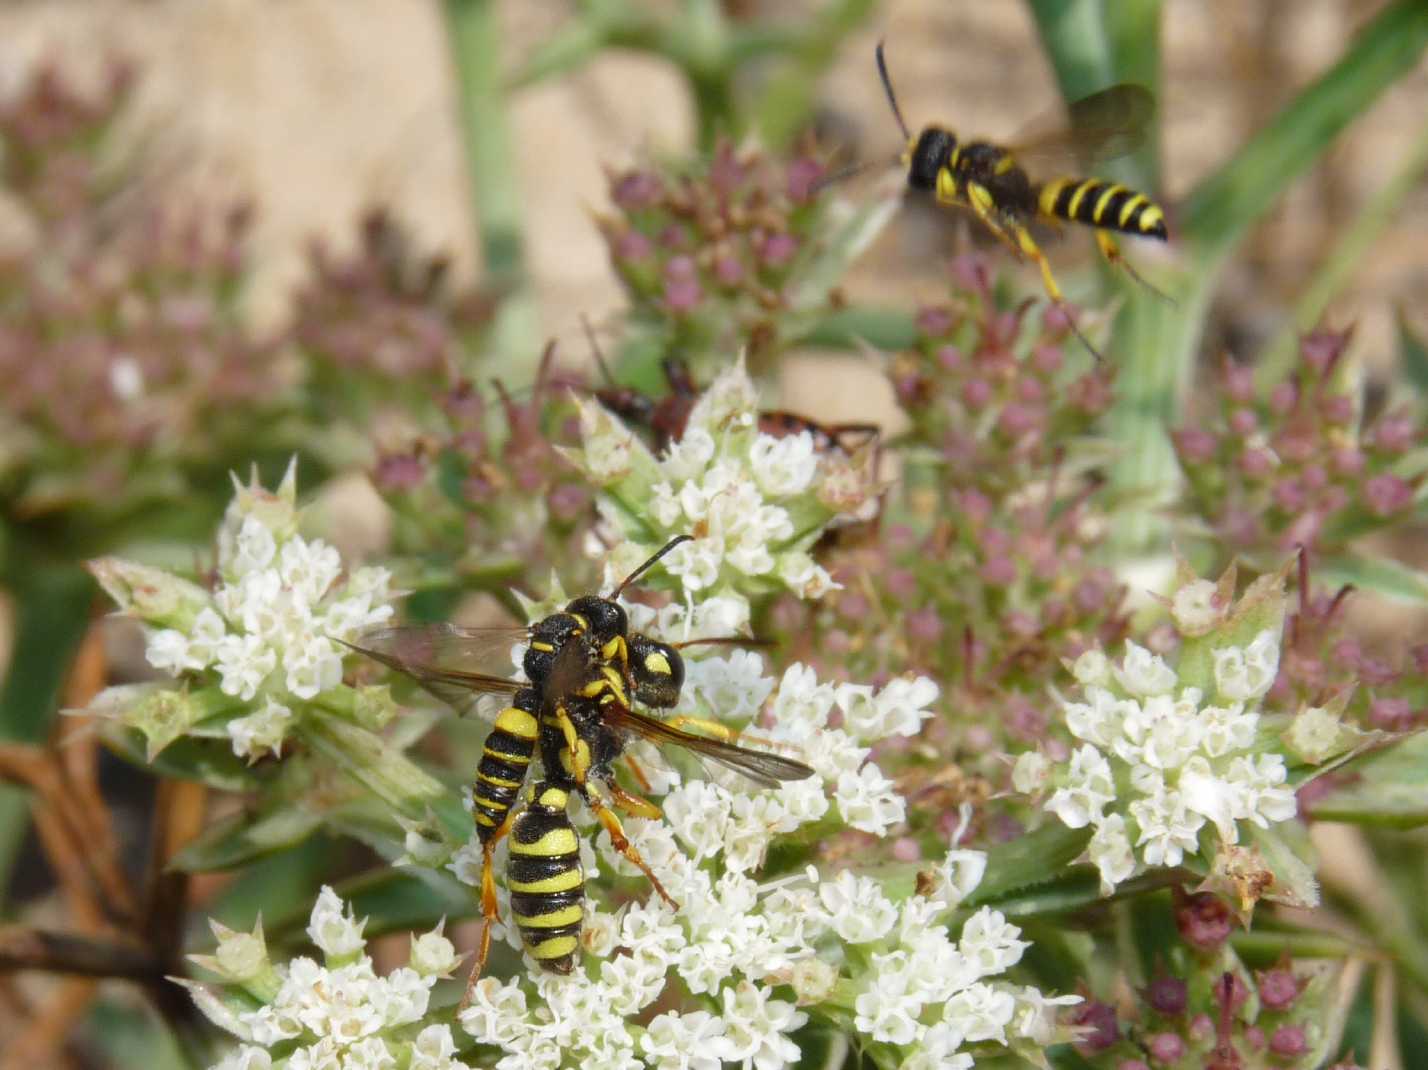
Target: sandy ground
x=320, y=108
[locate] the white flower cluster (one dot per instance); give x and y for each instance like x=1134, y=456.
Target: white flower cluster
x=268, y=630
x=754, y=502
x=340, y=1014
x=733, y=940
x=1159, y=761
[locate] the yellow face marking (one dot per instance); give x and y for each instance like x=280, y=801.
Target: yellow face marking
x=554, y=948
x=561, y=882
x=517, y=722
x=1130, y=207
x=657, y=662
x=544, y=648
x=946, y=186
x=1105, y=199
x=555, y=842
x=554, y=920
x=1005, y=164
x=1076, y=198
x=1151, y=218
x=955, y=157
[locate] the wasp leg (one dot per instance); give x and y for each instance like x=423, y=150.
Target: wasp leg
x=1112, y=252
x=706, y=726
x=632, y=804
x=490, y=909
x=618, y=839
x=638, y=773
x=980, y=200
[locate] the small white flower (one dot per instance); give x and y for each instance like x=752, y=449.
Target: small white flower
x=433, y=1049
x=857, y=909
x=608, y=445
x=244, y=661
x=1089, y=789
x=784, y=466
x=496, y=1013
x=1031, y=772
x=1194, y=609
x=254, y=548
x=686, y=458
x=1243, y=675
x=245, y=1058
x=433, y=955
x=1168, y=828
x=698, y=812
x=754, y=1027
x=1143, y=673
x=802, y=704
x=980, y=1012
x=868, y=800
x=1091, y=668
x=692, y=1041
x=990, y=942
x=888, y=1008
x=262, y=732
x=1110, y=852
x=1317, y=734
x=897, y=710
x=333, y=927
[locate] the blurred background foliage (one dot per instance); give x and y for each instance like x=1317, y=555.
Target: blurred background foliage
x=233, y=233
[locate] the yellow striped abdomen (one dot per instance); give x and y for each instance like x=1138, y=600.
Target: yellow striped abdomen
x=1098, y=203
x=545, y=879
x=503, y=764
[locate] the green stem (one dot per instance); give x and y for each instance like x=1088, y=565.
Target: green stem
x=1073, y=36
x=1343, y=260
x=476, y=44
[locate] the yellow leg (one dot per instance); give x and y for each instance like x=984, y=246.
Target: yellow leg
x=706, y=726
x=981, y=203
x=618, y=839
x=638, y=772
x=1112, y=252
x=490, y=908
x=632, y=804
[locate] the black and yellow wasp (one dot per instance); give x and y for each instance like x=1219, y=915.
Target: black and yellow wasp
x=992, y=181
x=586, y=671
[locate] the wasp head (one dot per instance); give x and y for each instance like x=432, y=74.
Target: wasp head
x=606, y=616
x=657, y=670
x=927, y=155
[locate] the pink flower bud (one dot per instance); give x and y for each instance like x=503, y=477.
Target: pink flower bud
x=934, y=321
x=1243, y=421
x=1278, y=989
x=1283, y=397
x=1195, y=445
x=1167, y=996
x=1387, y=494
x=1104, y=1030
x=1289, y=1041
x=1166, y=1048
x=1203, y=919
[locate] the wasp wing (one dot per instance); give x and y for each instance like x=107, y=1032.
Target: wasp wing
x=765, y=769
x=1103, y=126
x=450, y=662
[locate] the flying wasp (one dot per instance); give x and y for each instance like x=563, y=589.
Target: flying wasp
x=586, y=671
x=992, y=181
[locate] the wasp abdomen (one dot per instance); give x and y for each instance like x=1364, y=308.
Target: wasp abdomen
x=546, y=882
x=1099, y=203
x=504, y=759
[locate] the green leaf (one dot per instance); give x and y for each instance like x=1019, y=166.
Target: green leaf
x=1382, y=575
x=244, y=838
x=881, y=328
x=52, y=607
x=1225, y=204
x=1028, y=861
x=210, y=762
x=1388, y=787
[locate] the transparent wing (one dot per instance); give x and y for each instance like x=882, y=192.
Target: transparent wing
x=763, y=768
x=453, y=663
x=1103, y=126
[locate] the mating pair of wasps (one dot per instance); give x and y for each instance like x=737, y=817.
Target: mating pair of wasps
x=586, y=671
x=993, y=181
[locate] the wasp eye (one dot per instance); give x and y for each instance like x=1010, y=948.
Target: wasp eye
x=658, y=672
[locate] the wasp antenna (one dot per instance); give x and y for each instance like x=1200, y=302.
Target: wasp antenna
x=666, y=548
x=888, y=89
x=841, y=175
x=724, y=640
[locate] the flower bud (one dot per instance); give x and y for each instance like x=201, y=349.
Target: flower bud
x=151, y=594
x=432, y=954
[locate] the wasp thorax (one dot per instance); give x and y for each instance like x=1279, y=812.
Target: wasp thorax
x=607, y=617
x=657, y=670
x=930, y=152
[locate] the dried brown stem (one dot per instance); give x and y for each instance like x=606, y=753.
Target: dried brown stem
x=24, y=948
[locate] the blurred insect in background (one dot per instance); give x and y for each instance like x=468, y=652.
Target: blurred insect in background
x=666, y=417
x=585, y=672
x=994, y=182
